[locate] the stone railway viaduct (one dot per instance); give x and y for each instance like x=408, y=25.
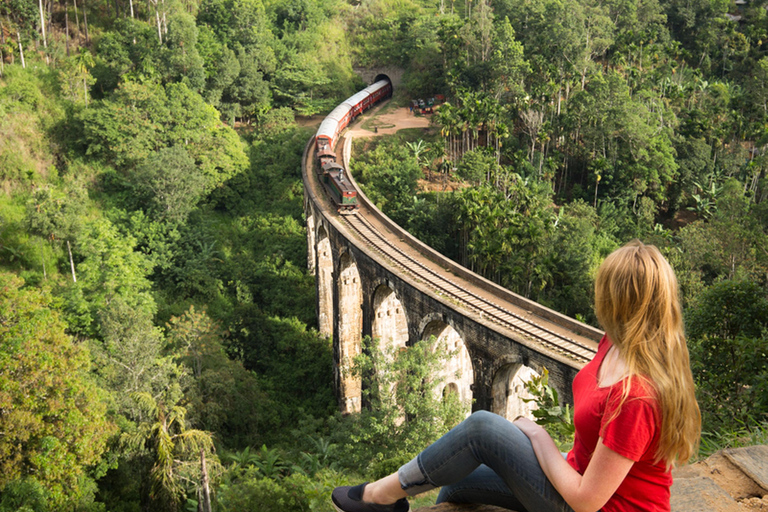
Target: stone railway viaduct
x=364, y=291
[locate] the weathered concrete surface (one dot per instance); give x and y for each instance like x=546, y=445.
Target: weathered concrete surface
x=716, y=484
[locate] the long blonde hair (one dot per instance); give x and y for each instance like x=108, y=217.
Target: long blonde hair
x=637, y=303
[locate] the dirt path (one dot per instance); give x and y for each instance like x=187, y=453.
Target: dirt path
x=389, y=123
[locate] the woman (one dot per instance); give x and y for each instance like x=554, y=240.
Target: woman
x=634, y=411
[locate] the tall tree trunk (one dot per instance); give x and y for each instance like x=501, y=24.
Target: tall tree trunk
x=66, y=25
x=594, y=204
x=42, y=23
x=159, y=32
x=42, y=258
x=77, y=18
x=71, y=262
x=21, y=50
x=130, y=2
x=2, y=45
x=205, y=502
x=85, y=22
x=165, y=21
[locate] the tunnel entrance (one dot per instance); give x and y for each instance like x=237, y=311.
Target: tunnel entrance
x=381, y=76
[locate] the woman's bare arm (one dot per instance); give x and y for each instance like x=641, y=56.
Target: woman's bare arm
x=587, y=493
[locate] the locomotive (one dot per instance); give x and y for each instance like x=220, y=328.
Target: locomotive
x=331, y=173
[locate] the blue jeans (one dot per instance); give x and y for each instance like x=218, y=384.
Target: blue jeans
x=485, y=459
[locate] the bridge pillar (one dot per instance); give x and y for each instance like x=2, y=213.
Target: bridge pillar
x=310, y=240
x=324, y=283
x=350, y=330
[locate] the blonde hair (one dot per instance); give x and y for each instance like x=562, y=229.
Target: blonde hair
x=637, y=303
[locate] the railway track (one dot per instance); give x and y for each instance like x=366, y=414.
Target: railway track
x=473, y=302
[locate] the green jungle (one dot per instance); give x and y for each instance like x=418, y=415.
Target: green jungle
x=158, y=341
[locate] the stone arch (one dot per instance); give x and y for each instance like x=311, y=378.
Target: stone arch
x=457, y=373
x=372, y=75
x=310, y=241
x=324, y=283
x=390, y=323
x=509, y=390
x=350, y=331
x=451, y=387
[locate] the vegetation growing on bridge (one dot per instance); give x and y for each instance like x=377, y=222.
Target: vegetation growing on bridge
x=151, y=216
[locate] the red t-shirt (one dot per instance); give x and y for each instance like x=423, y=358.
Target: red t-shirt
x=634, y=433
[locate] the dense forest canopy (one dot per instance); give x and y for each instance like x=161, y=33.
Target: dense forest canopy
x=157, y=315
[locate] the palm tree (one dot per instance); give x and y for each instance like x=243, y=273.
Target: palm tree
x=84, y=62
x=173, y=447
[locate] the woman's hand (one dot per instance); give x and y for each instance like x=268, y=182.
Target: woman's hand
x=528, y=427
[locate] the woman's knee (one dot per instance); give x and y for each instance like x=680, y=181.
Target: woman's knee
x=481, y=421
x=490, y=427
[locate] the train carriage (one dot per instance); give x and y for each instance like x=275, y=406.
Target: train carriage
x=347, y=111
x=332, y=174
x=323, y=157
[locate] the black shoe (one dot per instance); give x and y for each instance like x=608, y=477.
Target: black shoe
x=350, y=499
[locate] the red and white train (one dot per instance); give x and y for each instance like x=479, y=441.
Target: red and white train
x=332, y=176
x=347, y=111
